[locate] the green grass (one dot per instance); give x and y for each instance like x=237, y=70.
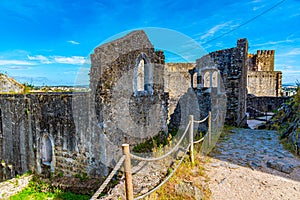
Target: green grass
x=39, y=190
x=185, y=172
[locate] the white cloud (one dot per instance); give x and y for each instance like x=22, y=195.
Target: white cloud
x=256, y=1
x=73, y=42
x=292, y=52
x=273, y=43
x=15, y=62
x=19, y=67
x=213, y=30
x=40, y=58
x=255, y=8
x=74, y=60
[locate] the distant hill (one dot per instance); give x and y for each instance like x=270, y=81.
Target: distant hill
x=10, y=85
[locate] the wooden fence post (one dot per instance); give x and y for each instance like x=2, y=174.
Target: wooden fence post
x=127, y=169
x=209, y=129
x=191, y=137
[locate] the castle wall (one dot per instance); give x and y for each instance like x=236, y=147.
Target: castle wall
x=176, y=82
x=265, y=83
x=233, y=69
x=27, y=119
x=83, y=132
x=264, y=60
x=121, y=109
x=265, y=104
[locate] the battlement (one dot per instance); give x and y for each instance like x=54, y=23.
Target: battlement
x=263, y=60
x=265, y=52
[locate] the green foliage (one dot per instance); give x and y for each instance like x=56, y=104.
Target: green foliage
x=38, y=189
x=185, y=172
x=60, y=174
x=28, y=88
x=83, y=177
x=288, y=146
x=296, y=98
x=161, y=140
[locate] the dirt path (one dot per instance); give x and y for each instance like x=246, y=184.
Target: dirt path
x=252, y=164
x=13, y=186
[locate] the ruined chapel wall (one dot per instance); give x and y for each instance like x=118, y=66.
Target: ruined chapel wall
x=120, y=110
x=233, y=69
x=176, y=82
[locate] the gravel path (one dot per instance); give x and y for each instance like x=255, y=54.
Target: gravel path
x=13, y=186
x=252, y=164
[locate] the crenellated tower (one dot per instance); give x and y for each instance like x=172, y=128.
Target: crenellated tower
x=264, y=60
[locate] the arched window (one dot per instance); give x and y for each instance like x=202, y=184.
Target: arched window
x=46, y=150
x=215, y=79
x=143, y=76
x=206, y=78
x=195, y=80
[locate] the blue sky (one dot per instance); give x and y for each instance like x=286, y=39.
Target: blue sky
x=48, y=42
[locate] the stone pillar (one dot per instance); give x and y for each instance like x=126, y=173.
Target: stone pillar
x=191, y=71
x=199, y=80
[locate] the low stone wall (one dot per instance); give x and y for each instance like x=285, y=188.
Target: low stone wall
x=265, y=104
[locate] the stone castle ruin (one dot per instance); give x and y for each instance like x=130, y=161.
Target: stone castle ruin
x=262, y=79
x=133, y=94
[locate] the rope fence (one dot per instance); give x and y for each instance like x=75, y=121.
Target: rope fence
x=126, y=159
x=167, y=154
x=108, y=179
x=201, y=121
x=168, y=177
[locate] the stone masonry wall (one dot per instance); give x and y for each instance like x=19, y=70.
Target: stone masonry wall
x=83, y=132
x=262, y=79
x=265, y=104
x=264, y=60
x=233, y=69
x=176, y=82
x=124, y=114
x=26, y=119
x=265, y=83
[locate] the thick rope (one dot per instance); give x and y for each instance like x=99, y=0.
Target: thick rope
x=168, y=177
x=199, y=122
x=167, y=154
x=199, y=140
x=108, y=179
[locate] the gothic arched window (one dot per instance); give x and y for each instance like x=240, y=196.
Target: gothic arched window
x=143, y=76
x=46, y=150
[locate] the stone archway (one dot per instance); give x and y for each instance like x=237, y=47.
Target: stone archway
x=46, y=150
x=46, y=156
x=143, y=75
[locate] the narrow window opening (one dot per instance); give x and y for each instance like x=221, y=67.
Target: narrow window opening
x=46, y=152
x=141, y=76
